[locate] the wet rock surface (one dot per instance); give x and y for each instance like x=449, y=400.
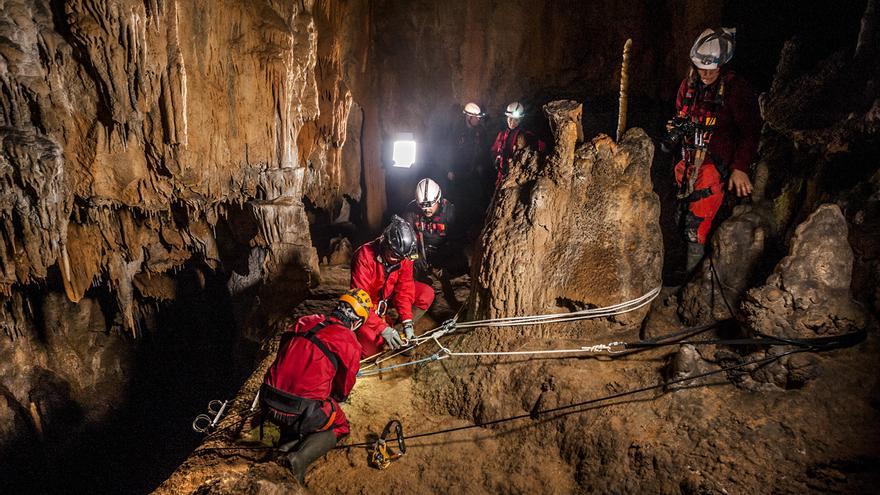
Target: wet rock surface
x=151, y=152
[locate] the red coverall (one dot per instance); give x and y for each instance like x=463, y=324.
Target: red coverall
x=732, y=146
x=303, y=370
x=505, y=145
x=368, y=273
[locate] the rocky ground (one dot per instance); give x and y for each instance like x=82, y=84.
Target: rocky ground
x=711, y=438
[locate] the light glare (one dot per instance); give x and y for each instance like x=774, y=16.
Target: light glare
x=404, y=153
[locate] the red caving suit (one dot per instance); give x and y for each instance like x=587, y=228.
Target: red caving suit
x=301, y=369
x=732, y=106
x=394, y=283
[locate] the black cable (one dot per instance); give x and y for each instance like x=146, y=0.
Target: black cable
x=717, y=279
x=618, y=395
x=807, y=345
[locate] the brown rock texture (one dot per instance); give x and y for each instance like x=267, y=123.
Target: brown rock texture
x=156, y=119
x=142, y=139
x=808, y=294
x=578, y=230
x=738, y=247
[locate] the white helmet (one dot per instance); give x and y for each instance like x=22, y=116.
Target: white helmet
x=515, y=110
x=713, y=48
x=427, y=193
x=473, y=110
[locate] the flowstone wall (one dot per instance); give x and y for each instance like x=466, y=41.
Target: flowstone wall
x=153, y=152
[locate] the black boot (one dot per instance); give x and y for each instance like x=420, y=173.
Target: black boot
x=309, y=449
x=695, y=253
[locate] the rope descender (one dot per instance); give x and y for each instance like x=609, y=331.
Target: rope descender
x=382, y=454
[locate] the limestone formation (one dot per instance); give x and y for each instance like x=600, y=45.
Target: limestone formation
x=139, y=139
x=738, y=248
x=808, y=294
x=577, y=230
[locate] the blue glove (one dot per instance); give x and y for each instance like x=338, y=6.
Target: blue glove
x=392, y=338
x=408, y=329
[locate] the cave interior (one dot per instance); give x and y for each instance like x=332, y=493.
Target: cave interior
x=182, y=180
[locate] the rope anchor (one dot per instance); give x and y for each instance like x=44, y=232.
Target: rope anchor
x=205, y=422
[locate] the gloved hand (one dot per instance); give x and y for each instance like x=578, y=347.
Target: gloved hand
x=408, y=329
x=392, y=338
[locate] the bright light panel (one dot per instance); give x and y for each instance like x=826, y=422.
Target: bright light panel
x=404, y=153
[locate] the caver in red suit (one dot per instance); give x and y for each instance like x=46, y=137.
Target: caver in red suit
x=506, y=143
x=728, y=110
x=318, y=374
x=386, y=283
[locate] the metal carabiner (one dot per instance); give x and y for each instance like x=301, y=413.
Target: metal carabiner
x=202, y=419
x=215, y=411
x=382, y=307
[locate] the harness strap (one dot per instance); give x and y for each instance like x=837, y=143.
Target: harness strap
x=332, y=418
x=313, y=338
x=704, y=193
x=382, y=305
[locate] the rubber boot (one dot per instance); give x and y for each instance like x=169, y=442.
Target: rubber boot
x=695, y=253
x=311, y=448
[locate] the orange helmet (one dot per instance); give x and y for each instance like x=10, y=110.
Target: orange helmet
x=359, y=301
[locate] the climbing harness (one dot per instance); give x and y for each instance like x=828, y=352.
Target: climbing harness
x=205, y=422
x=382, y=454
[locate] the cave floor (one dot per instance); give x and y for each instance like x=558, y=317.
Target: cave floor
x=712, y=438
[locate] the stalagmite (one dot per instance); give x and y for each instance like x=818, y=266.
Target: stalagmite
x=624, y=86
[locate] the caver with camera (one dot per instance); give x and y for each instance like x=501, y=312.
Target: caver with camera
x=717, y=128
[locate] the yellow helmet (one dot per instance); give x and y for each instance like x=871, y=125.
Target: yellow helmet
x=359, y=301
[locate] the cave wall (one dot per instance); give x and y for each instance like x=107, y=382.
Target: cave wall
x=430, y=58
x=144, y=141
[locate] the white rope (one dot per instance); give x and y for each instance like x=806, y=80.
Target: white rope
x=603, y=312
x=614, y=309
x=609, y=348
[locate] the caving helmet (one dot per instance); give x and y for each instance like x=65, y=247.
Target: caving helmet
x=515, y=110
x=713, y=48
x=473, y=110
x=427, y=193
x=354, y=306
x=398, y=240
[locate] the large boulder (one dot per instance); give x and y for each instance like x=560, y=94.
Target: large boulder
x=808, y=294
x=738, y=249
x=577, y=230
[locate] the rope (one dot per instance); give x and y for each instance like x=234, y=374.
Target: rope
x=662, y=384
x=451, y=325
x=433, y=357
x=612, y=310
x=591, y=349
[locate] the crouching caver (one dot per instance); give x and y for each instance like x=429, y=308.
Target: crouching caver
x=315, y=369
x=384, y=269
